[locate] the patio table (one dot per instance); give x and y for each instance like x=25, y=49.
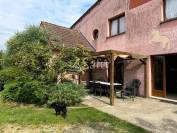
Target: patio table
x=107, y=83
x=104, y=83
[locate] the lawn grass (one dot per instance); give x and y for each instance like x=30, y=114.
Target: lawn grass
x=35, y=116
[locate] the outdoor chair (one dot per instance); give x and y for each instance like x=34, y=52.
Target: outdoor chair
x=131, y=89
x=91, y=87
x=98, y=89
x=95, y=88
x=119, y=92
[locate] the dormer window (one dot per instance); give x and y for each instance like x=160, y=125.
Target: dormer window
x=117, y=25
x=170, y=9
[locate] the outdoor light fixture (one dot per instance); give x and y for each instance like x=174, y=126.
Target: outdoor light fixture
x=124, y=56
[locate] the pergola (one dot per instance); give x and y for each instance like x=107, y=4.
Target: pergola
x=111, y=56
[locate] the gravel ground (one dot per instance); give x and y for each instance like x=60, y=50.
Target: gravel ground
x=94, y=128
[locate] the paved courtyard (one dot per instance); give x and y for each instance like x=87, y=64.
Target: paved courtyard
x=155, y=115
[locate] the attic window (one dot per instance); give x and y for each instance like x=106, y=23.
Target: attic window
x=95, y=34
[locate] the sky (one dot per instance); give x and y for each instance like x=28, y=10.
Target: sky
x=15, y=15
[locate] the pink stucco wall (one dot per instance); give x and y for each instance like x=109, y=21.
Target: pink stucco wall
x=140, y=22
x=134, y=70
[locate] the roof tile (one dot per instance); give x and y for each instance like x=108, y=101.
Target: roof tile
x=66, y=36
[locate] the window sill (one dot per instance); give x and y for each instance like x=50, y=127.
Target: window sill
x=168, y=20
x=116, y=35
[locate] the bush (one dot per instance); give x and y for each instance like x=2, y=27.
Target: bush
x=31, y=92
x=10, y=74
x=68, y=93
x=10, y=91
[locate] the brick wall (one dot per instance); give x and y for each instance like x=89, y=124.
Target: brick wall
x=100, y=74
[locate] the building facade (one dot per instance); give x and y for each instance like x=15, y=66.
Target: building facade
x=147, y=27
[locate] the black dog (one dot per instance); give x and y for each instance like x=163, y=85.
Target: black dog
x=60, y=108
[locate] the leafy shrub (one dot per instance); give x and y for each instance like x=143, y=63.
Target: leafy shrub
x=10, y=74
x=32, y=92
x=10, y=91
x=1, y=85
x=24, y=91
x=68, y=93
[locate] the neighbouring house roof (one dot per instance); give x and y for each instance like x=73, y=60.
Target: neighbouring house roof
x=90, y=9
x=66, y=36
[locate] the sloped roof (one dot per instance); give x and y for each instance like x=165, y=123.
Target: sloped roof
x=68, y=37
x=89, y=10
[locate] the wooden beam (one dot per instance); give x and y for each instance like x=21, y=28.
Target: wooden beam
x=130, y=55
x=143, y=61
x=112, y=79
x=145, y=78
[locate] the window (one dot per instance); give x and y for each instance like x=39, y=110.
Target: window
x=117, y=25
x=95, y=34
x=170, y=9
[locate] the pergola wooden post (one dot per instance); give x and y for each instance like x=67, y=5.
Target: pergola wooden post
x=111, y=72
x=145, y=79
x=145, y=76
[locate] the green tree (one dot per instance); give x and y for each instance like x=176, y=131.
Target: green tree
x=1, y=59
x=29, y=50
x=31, y=65
x=70, y=59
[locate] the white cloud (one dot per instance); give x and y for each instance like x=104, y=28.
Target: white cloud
x=16, y=14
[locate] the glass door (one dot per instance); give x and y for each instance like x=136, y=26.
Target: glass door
x=158, y=76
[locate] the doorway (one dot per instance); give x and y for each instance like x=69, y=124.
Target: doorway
x=171, y=74
x=164, y=76
x=119, y=71
x=158, y=76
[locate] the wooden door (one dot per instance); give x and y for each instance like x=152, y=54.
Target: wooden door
x=158, y=76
